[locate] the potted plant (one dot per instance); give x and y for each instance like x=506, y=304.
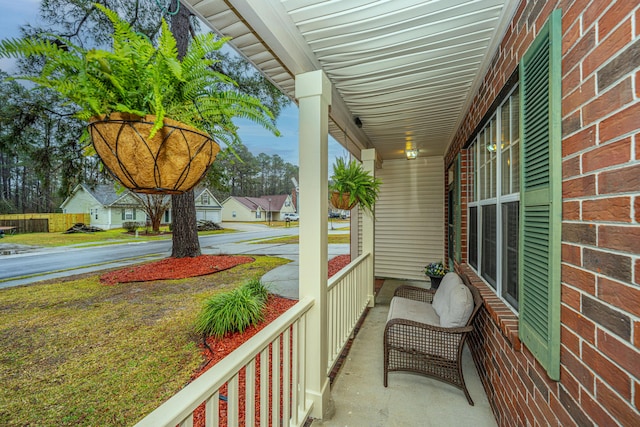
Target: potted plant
x=351, y=184
x=152, y=117
x=435, y=271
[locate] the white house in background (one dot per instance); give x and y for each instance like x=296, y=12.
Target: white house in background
x=109, y=209
x=256, y=209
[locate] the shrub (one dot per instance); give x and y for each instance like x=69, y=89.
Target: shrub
x=230, y=312
x=130, y=226
x=257, y=289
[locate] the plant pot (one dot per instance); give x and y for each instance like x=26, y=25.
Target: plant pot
x=172, y=162
x=341, y=201
x=435, y=281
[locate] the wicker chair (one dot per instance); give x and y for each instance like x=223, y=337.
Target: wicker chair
x=425, y=349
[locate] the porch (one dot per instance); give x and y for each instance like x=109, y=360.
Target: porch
x=360, y=399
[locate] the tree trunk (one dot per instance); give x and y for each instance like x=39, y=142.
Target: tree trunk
x=185, y=232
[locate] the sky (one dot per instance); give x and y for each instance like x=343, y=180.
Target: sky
x=14, y=14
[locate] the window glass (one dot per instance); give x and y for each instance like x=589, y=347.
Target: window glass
x=489, y=243
x=473, y=236
x=510, y=218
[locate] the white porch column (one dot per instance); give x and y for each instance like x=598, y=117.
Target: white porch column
x=313, y=91
x=369, y=226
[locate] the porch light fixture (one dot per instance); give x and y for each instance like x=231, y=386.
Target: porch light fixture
x=412, y=153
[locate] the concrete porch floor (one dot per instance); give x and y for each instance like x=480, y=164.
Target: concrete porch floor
x=360, y=398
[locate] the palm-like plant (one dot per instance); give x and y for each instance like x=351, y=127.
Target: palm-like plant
x=349, y=178
x=139, y=78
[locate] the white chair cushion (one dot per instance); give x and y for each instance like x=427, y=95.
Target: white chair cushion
x=441, y=297
x=459, y=309
x=418, y=311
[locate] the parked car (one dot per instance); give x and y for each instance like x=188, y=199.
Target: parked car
x=334, y=214
x=291, y=217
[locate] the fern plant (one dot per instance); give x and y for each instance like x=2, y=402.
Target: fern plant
x=139, y=78
x=350, y=178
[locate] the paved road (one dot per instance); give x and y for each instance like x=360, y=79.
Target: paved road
x=57, y=262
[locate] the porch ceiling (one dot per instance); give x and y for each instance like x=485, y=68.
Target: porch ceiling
x=405, y=68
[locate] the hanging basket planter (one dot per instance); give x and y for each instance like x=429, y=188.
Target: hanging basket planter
x=341, y=201
x=172, y=162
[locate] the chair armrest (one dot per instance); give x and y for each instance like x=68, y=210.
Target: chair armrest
x=415, y=293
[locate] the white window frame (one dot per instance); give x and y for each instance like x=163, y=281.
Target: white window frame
x=497, y=201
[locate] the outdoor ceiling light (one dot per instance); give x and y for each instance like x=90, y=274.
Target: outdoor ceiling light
x=412, y=153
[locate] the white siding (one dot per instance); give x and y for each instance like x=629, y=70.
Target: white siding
x=409, y=217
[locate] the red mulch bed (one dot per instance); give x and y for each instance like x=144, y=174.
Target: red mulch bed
x=174, y=268
x=218, y=349
x=223, y=347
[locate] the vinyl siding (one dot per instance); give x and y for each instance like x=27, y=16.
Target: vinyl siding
x=409, y=217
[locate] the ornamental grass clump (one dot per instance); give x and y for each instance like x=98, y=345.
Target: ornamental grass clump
x=233, y=311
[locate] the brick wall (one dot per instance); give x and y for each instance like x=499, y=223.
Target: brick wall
x=600, y=312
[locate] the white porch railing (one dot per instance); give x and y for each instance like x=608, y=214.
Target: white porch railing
x=277, y=352
x=346, y=301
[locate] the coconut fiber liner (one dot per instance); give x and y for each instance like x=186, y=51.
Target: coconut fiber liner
x=172, y=162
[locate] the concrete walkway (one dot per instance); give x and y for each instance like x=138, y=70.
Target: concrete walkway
x=360, y=398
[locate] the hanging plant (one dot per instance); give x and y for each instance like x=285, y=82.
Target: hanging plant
x=153, y=118
x=350, y=184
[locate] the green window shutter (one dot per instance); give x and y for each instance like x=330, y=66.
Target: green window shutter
x=541, y=197
x=122, y=213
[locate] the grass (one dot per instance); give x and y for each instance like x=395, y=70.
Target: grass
x=332, y=239
x=81, y=353
x=103, y=237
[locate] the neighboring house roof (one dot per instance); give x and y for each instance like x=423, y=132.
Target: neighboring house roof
x=253, y=203
x=106, y=195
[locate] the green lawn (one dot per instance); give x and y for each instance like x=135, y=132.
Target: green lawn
x=118, y=235
x=81, y=353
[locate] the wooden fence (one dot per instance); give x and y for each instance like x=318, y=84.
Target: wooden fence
x=42, y=222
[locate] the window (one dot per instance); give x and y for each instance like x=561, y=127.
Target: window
x=258, y=213
x=205, y=199
x=515, y=197
x=494, y=199
x=233, y=214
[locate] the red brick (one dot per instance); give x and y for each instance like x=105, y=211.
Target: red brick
x=625, y=239
x=579, y=187
x=615, y=153
x=578, y=278
x=571, y=254
x=636, y=336
x=591, y=13
x=621, y=180
x=571, y=167
x=571, y=297
x=637, y=400
x=614, y=16
x=616, y=406
x=571, y=210
x=580, y=141
x=621, y=123
x=615, y=377
x=638, y=83
x=611, y=209
x=569, y=340
x=623, y=296
x=570, y=36
x=626, y=357
x=579, y=324
x=570, y=82
x=576, y=55
x=608, y=102
x=594, y=410
x=579, y=97
x=636, y=208
x=607, y=48
x=564, y=419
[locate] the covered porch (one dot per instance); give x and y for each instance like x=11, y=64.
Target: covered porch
x=409, y=400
